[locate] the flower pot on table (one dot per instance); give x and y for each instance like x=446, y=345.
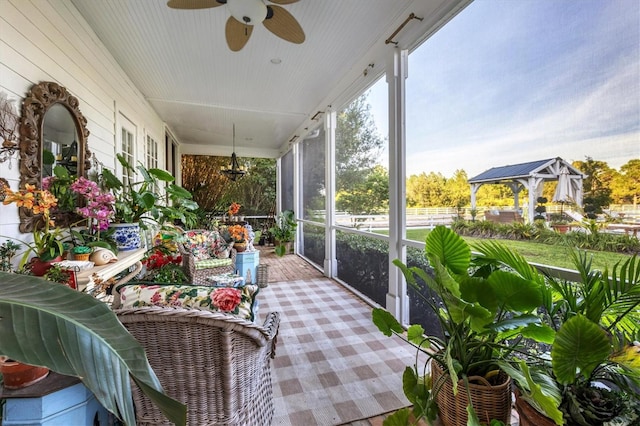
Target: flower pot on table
x=40, y=267
x=17, y=375
x=127, y=236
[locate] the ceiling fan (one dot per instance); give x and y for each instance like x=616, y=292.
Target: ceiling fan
x=247, y=13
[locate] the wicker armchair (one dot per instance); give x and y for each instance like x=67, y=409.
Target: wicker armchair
x=195, y=274
x=217, y=364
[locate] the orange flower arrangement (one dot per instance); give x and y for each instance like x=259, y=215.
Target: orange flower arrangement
x=46, y=242
x=234, y=208
x=239, y=233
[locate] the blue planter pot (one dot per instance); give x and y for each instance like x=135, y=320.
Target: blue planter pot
x=127, y=236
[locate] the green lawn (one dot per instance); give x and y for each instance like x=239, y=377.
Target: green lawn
x=553, y=255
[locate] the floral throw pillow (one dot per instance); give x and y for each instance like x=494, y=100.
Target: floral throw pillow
x=240, y=302
x=198, y=243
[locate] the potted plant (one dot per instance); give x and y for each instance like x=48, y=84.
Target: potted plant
x=239, y=235
x=284, y=232
x=144, y=199
x=559, y=223
x=8, y=249
x=81, y=253
x=483, y=311
x=47, y=238
x=66, y=322
x=590, y=373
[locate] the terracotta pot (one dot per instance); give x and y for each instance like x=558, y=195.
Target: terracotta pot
x=17, y=375
x=40, y=267
x=489, y=401
x=529, y=416
x=240, y=247
x=561, y=228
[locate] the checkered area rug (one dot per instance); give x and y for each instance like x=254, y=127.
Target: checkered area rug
x=332, y=365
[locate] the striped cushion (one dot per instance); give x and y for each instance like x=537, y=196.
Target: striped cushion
x=212, y=263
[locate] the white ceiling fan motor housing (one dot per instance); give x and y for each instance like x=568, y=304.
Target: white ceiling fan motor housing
x=250, y=12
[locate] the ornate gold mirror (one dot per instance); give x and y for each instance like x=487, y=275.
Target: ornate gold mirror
x=53, y=132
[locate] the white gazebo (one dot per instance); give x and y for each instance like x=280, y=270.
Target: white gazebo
x=530, y=176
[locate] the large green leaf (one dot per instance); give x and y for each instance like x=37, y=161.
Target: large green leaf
x=386, y=322
x=537, y=388
x=452, y=251
x=579, y=347
x=161, y=174
x=515, y=293
x=51, y=325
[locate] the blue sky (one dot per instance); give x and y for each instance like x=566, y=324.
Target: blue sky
x=511, y=81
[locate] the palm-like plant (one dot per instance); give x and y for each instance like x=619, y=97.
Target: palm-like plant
x=484, y=311
x=50, y=325
x=594, y=320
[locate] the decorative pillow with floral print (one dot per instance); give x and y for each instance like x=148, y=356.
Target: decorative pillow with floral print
x=240, y=302
x=205, y=244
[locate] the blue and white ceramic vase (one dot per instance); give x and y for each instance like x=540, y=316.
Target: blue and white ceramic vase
x=127, y=236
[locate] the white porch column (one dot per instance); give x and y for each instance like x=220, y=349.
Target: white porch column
x=330, y=263
x=396, y=74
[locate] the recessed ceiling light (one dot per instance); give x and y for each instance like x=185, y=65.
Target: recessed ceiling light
x=276, y=61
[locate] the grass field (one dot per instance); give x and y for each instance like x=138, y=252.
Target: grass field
x=546, y=254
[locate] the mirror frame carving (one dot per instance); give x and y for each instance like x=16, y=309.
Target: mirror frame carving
x=40, y=98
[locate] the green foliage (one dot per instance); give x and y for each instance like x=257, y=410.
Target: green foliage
x=486, y=301
x=367, y=197
x=284, y=230
x=135, y=199
x=596, y=319
x=67, y=323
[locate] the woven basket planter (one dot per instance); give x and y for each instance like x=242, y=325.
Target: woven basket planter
x=490, y=402
x=529, y=416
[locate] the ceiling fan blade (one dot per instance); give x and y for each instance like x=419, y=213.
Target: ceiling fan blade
x=193, y=4
x=283, y=1
x=237, y=33
x=284, y=25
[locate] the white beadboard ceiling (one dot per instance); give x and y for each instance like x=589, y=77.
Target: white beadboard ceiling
x=181, y=63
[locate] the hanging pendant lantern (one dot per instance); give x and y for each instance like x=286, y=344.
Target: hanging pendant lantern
x=234, y=171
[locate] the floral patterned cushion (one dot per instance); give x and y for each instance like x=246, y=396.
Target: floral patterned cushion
x=205, y=244
x=240, y=302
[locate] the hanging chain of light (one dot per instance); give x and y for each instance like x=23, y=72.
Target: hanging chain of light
x=234, y=171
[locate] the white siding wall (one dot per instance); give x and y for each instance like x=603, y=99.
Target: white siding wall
x=48, y=40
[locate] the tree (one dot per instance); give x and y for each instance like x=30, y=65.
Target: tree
x=214, y=192
x=457, y=190
x=358, y=144
x=426, y=190
x=368, y=197
x=625, y=186
x=596, y=186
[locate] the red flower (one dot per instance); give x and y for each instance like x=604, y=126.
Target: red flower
x=226, y=299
